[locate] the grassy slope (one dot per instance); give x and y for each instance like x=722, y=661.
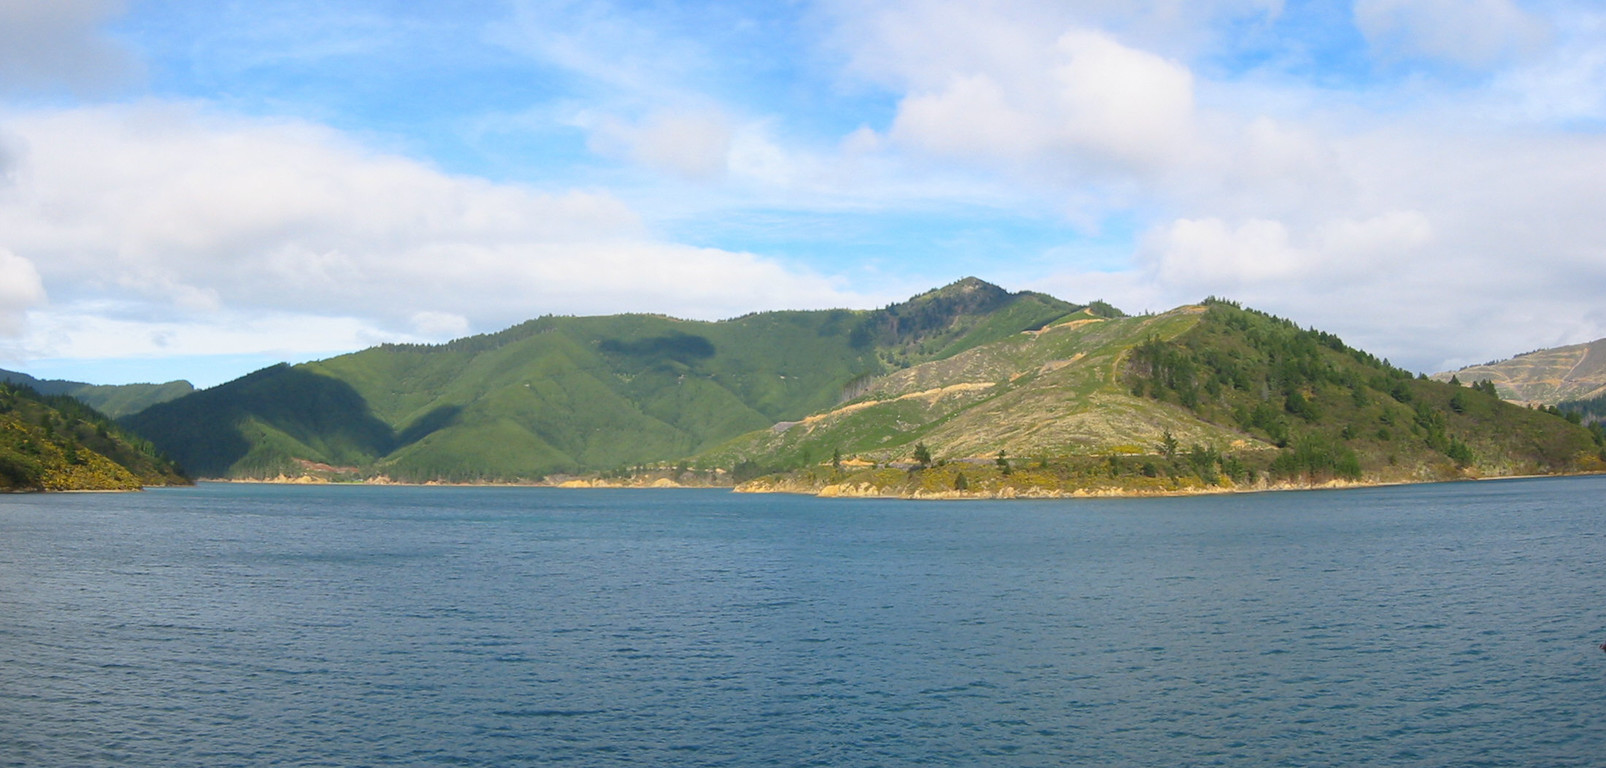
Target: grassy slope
x=1050, y=393
x=56, y=443
x=1546, y=376
x=1241, y=396
x=566, y=394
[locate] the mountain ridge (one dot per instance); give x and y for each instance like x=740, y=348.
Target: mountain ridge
x=558, y=395
x=956, y=386
x=113, y=400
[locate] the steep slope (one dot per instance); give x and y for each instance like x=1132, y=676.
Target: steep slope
x=114, y=400
x=1206, y=396
x=569, y=394
x=56, y=443
x=1544, y=377
x=1050, y=392
x=1338, y=410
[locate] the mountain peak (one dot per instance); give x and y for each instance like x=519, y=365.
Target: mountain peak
x=962, y=287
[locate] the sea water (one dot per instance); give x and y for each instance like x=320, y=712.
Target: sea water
x=241, y=625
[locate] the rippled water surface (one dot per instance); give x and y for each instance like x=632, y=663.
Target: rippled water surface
x=257, y=625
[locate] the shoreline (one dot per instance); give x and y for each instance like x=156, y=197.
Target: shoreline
x=865, y=491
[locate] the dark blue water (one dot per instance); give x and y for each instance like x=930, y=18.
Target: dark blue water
x=257, y=625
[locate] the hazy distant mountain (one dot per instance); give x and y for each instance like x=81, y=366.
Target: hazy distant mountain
x=1546, y=376
x=114, y=400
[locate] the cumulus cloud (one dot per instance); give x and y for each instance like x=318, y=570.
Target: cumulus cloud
x=1260, y=256
x=1415, y=226
x=174, y=212
x=59, y=44
x=984, y=88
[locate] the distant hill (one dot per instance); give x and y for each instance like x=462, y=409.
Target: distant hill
x=562, y=395
x=1201, y=397
x=1544, y=377
x=56, y=443
x=114, y=400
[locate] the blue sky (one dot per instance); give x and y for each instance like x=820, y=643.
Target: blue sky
x=194, y=190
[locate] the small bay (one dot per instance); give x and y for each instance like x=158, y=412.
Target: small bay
x=245, y=625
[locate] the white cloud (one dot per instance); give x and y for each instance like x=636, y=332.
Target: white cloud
x=1262, y=257
x=20, y=290
x=440, y=325
x=1566, y=83
x=692, y=144
x=1473, y=33
x=1207, y=252
x=179, y=214
x=980, y=88
x=59, y=44
x=90, y=332
x=916, y=45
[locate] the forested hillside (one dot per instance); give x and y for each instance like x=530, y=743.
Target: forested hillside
x=56, y=443
x=114, y=400
x=570, y=394
x=1005, y=389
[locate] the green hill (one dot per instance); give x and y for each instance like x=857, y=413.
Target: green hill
x=994, y=390
x=1199, y=398
x=114, y=400
x=563, y=395
x=56, y=443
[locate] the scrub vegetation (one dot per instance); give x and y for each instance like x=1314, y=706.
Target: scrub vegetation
x=56, y=443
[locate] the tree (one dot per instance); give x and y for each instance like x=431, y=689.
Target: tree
x=922, y=455
x=1460, y=453
x=1168, y=445
x=836, y=459
x=1003, y=463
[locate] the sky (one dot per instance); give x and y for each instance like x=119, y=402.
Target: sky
x=198, y=189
